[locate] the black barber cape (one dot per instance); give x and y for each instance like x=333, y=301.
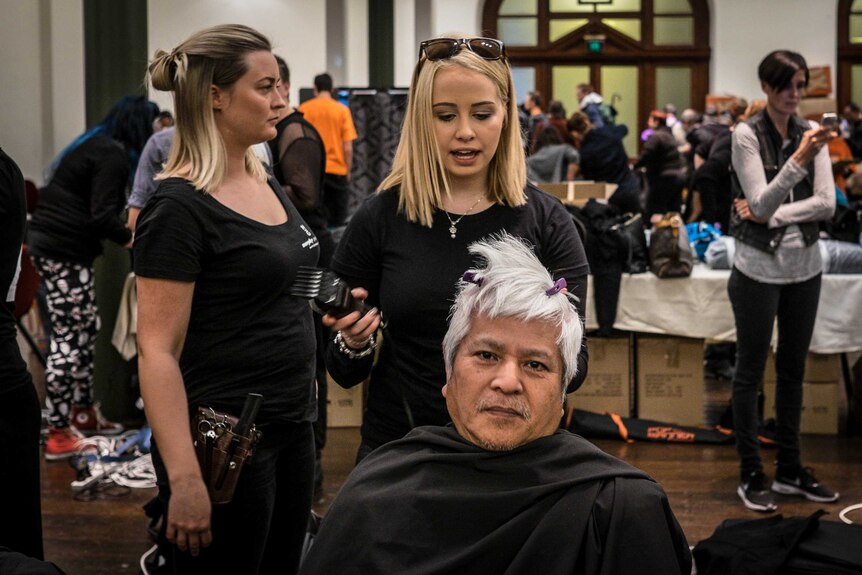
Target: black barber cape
x=432, y=503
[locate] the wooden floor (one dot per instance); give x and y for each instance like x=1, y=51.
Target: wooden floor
x=108, y=535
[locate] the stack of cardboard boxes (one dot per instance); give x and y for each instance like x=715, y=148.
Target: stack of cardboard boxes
x=609, y=378
x=819, y=393
x=658, y=378
x=667, y=373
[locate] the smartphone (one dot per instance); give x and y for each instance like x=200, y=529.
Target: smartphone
x=829, y=121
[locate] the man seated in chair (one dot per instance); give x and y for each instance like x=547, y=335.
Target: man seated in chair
x=503, y=491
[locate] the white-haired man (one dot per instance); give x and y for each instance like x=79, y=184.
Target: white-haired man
x=504, y=490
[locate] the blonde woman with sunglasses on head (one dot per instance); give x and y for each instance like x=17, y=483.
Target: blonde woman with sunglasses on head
x=458, y=176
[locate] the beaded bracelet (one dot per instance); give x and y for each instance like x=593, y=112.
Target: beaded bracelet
x=370, y=345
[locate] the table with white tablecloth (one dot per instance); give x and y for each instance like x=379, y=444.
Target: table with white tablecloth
x=698, y=307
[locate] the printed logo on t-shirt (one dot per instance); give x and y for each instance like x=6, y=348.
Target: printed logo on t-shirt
x=311, y=242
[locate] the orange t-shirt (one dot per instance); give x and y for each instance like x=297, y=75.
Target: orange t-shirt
x=839, y=151
x=335, y=125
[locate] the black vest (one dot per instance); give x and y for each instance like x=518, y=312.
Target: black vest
x=773, y=157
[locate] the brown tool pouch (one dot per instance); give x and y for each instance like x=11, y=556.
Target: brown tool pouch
x=221, y=453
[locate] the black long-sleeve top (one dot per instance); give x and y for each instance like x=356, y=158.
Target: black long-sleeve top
x=712, y=180
x=13, y=214
x=81, y=204
x=660, y=154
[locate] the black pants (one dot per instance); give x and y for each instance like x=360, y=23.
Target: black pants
x=262, y=530
x=336, y=195
x=755, y=307
x=20, y=420
x=665, y=192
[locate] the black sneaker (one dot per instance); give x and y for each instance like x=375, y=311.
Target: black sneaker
x=755, y=494
x=804, y=484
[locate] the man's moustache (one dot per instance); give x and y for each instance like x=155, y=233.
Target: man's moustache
x=516, y=407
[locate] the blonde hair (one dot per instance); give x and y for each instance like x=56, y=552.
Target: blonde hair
x=214, y=56
x=418, y=167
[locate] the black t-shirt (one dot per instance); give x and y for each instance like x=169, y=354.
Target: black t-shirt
x=81, y=204
x=13, y=214
x=246, y=333
x=712, y=180
x=411, y=273
x=604, y=158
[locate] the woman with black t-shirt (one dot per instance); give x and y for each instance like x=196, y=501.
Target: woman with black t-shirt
x=216, y=249
x=458, y=176
x=78, y=208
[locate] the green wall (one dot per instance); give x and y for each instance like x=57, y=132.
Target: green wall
x=115, y=46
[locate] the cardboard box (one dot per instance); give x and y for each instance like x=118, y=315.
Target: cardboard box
x=820, y=391
x=819, y=407
x=607, y=387
x=819, y=368
x=670, y=379
x=579, y=191
x=343, y=406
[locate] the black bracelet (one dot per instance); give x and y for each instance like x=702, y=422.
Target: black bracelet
x=369, y=348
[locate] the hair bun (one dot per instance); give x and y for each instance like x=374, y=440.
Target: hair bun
x=163, y=70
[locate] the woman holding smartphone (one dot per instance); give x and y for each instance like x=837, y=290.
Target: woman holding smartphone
x=782, y=185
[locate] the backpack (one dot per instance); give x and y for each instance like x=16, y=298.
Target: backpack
x=670, y=254
x=608, y=113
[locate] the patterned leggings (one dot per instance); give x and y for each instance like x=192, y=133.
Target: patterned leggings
x=74, y=326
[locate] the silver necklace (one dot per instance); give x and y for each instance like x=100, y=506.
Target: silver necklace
x=453, y=224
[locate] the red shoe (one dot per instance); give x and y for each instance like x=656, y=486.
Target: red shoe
x=63, y=442
x=90, y=421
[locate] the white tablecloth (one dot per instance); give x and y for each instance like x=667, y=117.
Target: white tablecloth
x=698, y=306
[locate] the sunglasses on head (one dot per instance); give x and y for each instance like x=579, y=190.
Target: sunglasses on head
x=443, y=48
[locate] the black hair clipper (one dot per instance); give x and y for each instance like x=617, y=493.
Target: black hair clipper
x=328, y=292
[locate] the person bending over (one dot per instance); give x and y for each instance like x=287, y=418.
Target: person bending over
x=502, y=490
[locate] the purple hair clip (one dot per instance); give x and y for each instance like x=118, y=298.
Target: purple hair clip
x=471, y=277
x=558, y=286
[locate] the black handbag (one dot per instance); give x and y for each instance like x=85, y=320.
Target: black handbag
x=615, y=244
x=632, y=241
x=669, y=251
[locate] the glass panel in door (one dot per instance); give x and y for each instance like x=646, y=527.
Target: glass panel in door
x=518, y=31
x=673, y=86
x=856, y=28
x=564, y=80
x=620, y=88
x=524, y=78
x=856, y=83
